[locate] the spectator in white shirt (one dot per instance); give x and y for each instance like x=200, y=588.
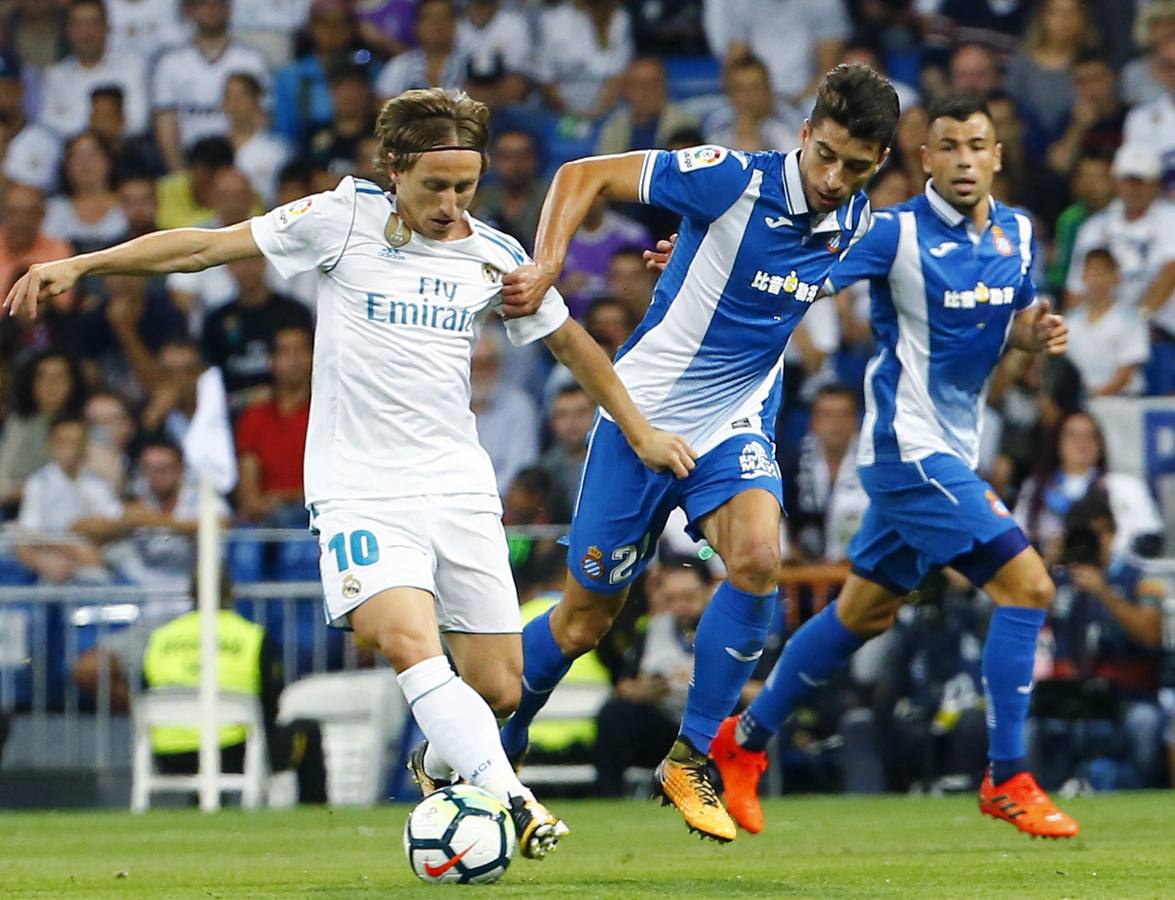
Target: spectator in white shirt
x=1108, y=341
x=1139, y=229
x=189, y=81
x=88, y=214
x=145, y=27
x=799, y=40
x=584, y=48
x=1142, y=79
x=437, y=62
x=498, y=46
x=1153, y=123
x=33, y=154
x=259, y=153
x=63, y=500
x=753, y=119
x=65, y=98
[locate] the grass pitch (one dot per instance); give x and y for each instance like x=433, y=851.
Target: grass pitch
x=813, y=847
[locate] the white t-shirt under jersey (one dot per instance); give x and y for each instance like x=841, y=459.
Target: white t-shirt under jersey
x=390, y=406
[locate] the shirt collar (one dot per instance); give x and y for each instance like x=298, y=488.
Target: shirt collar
x=797, y=203
x=793, y=185
x=948, y=213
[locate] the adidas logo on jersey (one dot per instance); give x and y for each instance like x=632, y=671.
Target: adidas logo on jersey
x=791, y=284
x=980, y=294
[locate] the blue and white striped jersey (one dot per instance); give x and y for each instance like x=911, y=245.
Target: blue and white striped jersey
x=706, y=360
x=943, y=300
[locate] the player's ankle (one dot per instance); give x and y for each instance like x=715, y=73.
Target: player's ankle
x=750, y=735
x=1004, y=769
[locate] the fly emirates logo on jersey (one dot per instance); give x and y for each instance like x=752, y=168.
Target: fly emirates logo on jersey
x=978, y=295
x=434, y=307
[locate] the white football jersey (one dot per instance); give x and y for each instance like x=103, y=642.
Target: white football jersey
x=390, y=406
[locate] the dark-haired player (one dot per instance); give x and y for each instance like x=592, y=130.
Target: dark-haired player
x=759, y=234
x=951, y=280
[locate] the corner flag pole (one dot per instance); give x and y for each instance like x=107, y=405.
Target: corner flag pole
x=208, y=603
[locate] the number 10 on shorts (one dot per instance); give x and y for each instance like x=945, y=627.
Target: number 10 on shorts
x=363, y=546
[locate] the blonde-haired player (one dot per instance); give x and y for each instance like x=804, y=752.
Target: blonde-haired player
x=401, y=494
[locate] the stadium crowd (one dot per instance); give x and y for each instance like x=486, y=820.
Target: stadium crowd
x=124, y=116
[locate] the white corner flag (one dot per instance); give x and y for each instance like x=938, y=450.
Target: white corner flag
x=208, y=445
x=209, y=451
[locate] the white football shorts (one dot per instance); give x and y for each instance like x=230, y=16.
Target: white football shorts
x=436, y=543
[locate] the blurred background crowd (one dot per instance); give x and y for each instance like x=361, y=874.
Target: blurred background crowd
x=118, y=117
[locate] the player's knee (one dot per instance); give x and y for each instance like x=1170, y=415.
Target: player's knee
x=404, y=649
x=503, y=696
x=1039, y=593
x=754, y=567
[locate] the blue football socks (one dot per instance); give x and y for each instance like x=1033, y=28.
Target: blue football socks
x=543, y=667
x=729, y=643
x=1008, y=657
x=813, y=654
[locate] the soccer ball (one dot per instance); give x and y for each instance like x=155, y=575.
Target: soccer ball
x=459, y=834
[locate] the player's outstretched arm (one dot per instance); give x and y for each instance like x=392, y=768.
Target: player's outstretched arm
x=1037, y=330
x=659, y=450
x=176, y=250
x=575, y=187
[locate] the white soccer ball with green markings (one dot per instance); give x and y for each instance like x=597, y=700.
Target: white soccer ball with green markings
x=459, y=834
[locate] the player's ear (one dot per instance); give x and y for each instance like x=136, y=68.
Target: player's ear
x=805, y=131
x=925, y=159
x=998, y=155
x=881, y=162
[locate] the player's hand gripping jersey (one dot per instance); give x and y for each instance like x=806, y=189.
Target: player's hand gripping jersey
x=943, y=300
x=750, y=259
x=397, y=320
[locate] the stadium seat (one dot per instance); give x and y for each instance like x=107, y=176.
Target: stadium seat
x=693, y=76
x=296, y=560
x=362, y=716
x=181, y=706
x=245, y=559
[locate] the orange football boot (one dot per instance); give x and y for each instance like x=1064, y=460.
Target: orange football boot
x=684, y=780
x=1021, y=801
x=741, y=770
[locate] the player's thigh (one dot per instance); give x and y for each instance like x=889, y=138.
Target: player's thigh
x=734, y=499
x=475, y=587
x=366, y=548
x=1023, y=580
x=402, y=623
x=745, y=531
x=619, y=514
x=491, y=664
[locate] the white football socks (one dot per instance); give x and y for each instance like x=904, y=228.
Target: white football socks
x=460, y=727
x=435, y=765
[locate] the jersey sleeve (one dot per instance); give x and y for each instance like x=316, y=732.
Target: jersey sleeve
x=309, y=233
x=868, y=257
x=699, y=182
x=1026, y=294
x=550, y=315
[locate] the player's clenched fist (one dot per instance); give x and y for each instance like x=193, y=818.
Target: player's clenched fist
x=661, y=450
x=42, y=279
x=524, y=288
x=1051, y=330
